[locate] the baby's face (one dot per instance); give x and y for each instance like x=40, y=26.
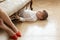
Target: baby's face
x=40, y=15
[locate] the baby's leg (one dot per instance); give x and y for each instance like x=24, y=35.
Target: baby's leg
x=8, y=30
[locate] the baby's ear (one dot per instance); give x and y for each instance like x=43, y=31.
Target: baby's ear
x=44, y=10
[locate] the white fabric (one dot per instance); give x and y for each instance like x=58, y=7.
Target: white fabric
x=12, y=6
x=28, y=15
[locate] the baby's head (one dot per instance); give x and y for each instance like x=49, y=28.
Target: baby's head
x=42, y=15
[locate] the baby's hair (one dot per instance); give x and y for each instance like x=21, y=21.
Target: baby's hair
x=45, y=15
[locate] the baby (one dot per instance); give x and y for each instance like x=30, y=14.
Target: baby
x=29, y=15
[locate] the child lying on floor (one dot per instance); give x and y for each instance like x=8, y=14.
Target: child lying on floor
x=29, y=15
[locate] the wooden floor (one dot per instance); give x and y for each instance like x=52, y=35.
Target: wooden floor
x=41, y=30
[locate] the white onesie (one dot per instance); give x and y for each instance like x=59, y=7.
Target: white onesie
x=28, y=15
